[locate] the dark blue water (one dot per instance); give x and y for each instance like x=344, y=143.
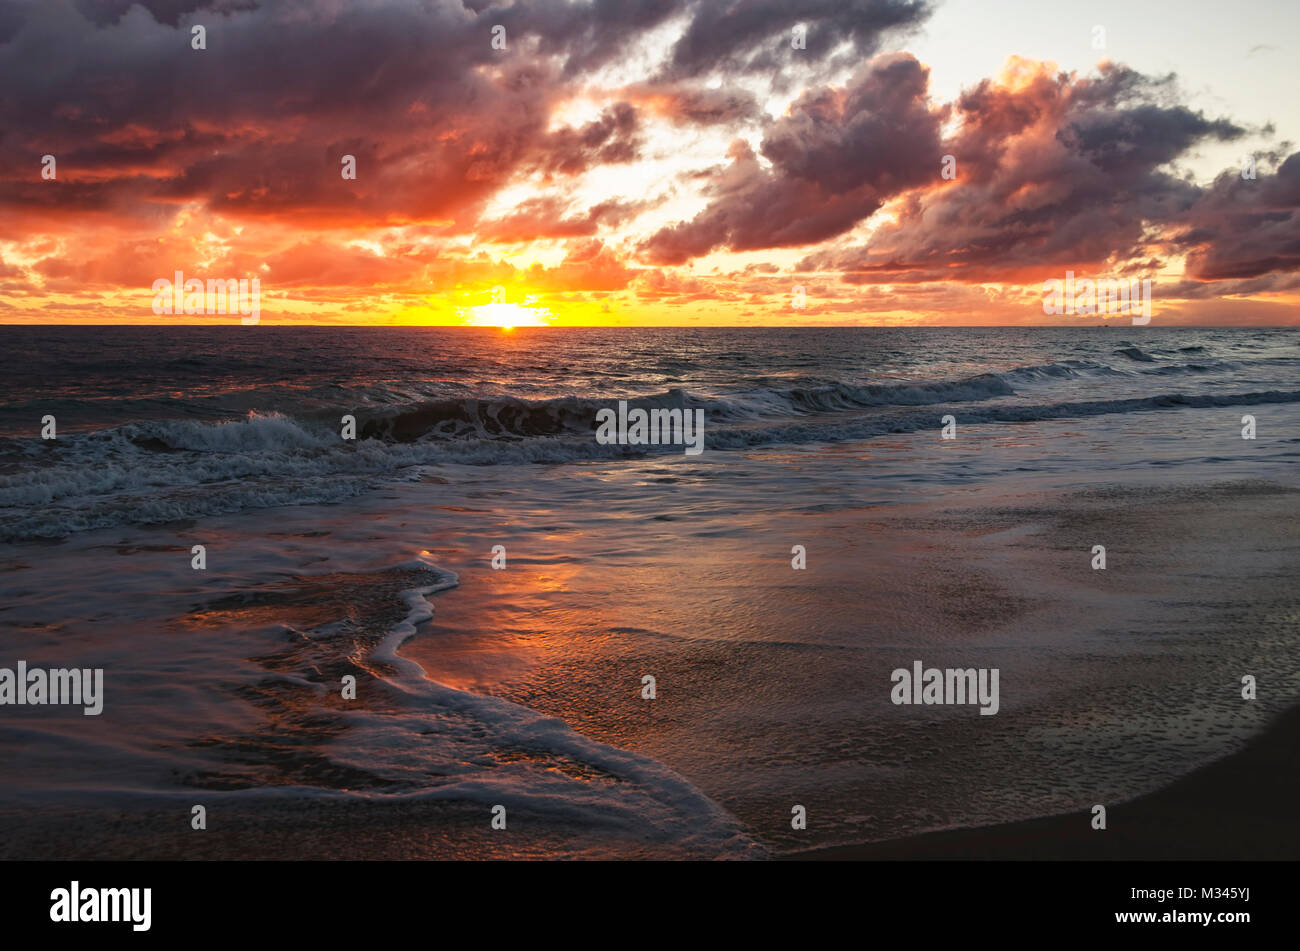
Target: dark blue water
x=157, y=422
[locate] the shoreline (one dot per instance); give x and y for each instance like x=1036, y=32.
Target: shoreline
x=1240, y=807
x=773, y=684
x=1115, y=683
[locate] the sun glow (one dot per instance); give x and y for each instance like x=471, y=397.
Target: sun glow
x=505, y=316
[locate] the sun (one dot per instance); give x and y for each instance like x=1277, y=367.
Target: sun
x=505, y=316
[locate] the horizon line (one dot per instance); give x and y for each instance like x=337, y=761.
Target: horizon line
x=522, y=327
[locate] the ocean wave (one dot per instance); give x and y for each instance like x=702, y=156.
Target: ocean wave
x=645, y=798
x=160, y=471
x=406, y=739
x=1133, y=353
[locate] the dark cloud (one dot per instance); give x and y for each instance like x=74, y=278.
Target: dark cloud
x=614, y=138
x=1052, y=172
x=170, y=12
x=754, y=36
x=1246, y=228
x=552, y=217
x=585, y=35
x=833, y=160
x=256, y=124
x=688, y=103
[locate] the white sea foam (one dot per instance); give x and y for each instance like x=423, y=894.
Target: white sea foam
x=167, y=471
x=439, y=744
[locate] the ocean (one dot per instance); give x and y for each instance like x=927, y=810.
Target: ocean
x=158, y=424
x=499, y=582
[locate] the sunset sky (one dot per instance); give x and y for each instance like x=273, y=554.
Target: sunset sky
x=649, y=161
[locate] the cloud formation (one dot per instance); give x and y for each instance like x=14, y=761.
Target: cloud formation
x=623, y=149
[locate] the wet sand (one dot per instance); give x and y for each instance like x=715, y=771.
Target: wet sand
x=773, y=683
x=1240, y=808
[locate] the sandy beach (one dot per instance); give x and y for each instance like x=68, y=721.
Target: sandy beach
x=1238, y=808
x=1149, y=690
x=773, y=684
